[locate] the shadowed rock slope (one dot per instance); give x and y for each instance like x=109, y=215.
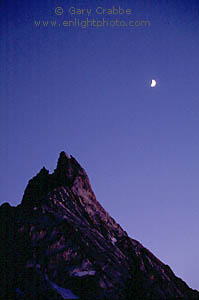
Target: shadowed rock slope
x=60, y=243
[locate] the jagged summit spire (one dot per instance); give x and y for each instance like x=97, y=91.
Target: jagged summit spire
x=65, y=169
x=63, y=161
x=67, y=173
x=63, y=155
x=68, y=169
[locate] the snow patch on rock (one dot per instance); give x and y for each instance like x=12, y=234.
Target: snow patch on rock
x=84, y=273
x=113, y=240
x=65, y=293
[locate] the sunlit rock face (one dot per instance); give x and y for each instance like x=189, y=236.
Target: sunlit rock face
x=59, y=243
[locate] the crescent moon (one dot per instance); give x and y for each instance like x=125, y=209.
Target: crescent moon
x=153, y=83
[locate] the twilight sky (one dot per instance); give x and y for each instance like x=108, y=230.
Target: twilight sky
x=87, y=91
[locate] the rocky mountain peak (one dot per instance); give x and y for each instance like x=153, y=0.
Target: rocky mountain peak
x=68, y=174
x=67, y=170
x=60, y=243
x=63, y=162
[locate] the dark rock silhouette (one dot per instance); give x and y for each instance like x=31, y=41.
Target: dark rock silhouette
x=60, y=243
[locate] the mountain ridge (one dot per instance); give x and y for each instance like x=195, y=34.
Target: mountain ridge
x=63, y=243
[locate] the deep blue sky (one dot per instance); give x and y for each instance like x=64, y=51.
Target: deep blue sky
x=87, y=92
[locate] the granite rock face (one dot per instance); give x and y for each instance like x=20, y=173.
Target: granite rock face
x=60, y=243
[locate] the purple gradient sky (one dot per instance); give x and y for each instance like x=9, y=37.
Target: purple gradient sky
x=86, y=91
